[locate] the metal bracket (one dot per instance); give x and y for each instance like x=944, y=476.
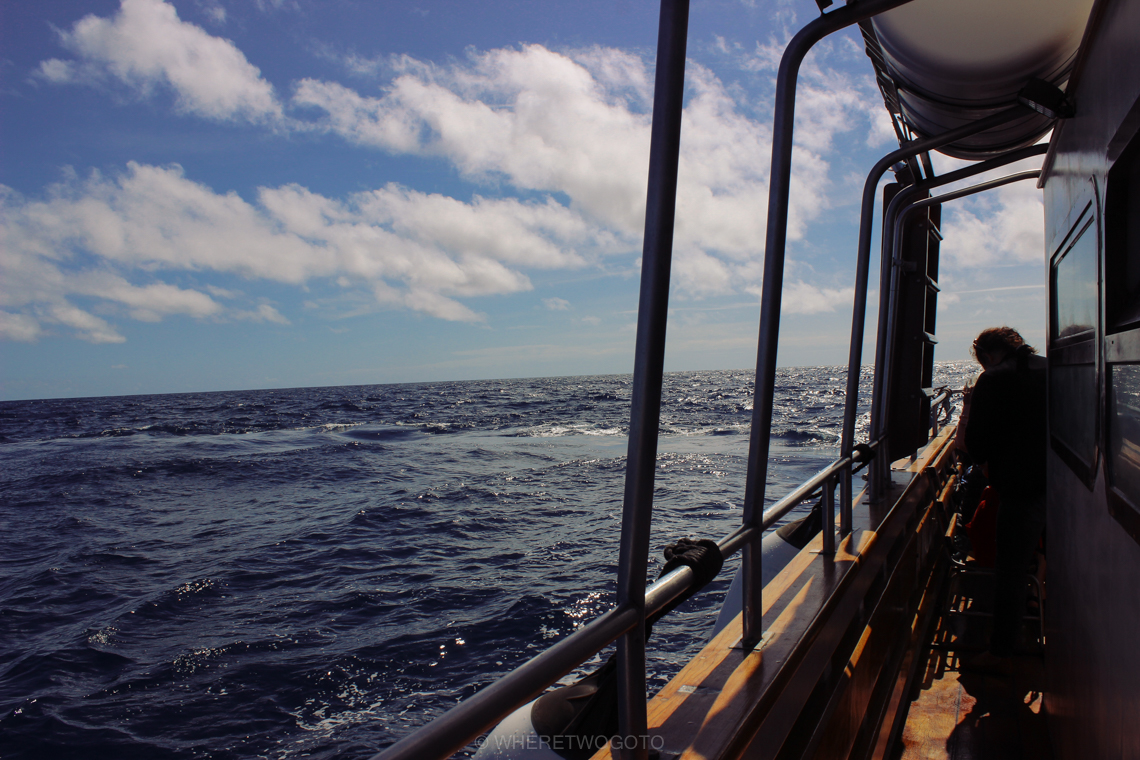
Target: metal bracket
x=765, y=640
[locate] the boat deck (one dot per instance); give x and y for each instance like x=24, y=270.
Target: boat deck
x=862, y=651
x=970, y=716
x=961, y=715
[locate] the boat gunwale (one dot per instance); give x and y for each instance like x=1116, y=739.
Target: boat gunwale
x=803, y=604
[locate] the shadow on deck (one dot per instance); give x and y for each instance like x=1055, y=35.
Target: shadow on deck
x=960, y=715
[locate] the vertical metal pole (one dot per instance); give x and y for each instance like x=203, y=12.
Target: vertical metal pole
x=877, y=473
x=770, y=300
x=884, y=361
x=649, y=360
x=846, y=498
x=829, y=516
x=859, y=316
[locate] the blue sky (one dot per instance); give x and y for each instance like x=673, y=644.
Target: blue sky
x=207, y=195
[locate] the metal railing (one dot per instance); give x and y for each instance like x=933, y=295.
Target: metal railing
x=940, y=406
x=635, y=601
x=465, y=722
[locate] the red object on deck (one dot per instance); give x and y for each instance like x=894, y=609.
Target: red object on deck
x=982, y=529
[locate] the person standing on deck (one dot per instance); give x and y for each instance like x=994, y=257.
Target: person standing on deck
x=1005, y=431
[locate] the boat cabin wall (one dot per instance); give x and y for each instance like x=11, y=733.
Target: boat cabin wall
x=1092, y=210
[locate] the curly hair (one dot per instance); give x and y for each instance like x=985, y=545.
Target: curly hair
x=999, y=341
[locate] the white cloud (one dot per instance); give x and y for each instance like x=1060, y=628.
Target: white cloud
x=272, y=6
x=533, y=117
x=147, y=303
x=407, y=249
x=556, y=304
x=87, y=325
x=804, y=298
x=1000, y=227
x=263, y=313
x=214, y=290
x=571, y=126
x=145, y=45
x=57, y=72
x=19, y=327
x=578, y=124
x=699, y=273
x=215, y=11
x=618, y=71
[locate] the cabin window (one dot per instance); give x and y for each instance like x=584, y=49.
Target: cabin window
x=1075, y=289
x=1074, y=285
x=1122, y=240
x=1122, y=343
x=1124, y=430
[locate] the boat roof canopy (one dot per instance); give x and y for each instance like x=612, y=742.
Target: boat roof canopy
x=942, y=64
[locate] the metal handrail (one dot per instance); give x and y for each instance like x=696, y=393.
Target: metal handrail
x=892, y=240
x=938, y=405
x=463, y=723
x=668, y=587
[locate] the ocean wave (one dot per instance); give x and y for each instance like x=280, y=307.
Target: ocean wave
x=382, y=434
x=554, y=430
x=274, y=573
x=807, y=435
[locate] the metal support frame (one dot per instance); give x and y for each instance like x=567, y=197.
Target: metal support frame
x=626, y=622
x=891, y=213
x=776, y=238
x=893, y=218
x=981, y=187
x=941, y=401
x=649, y=361
x=828, y=529
x=862, y=268
x=896, y=240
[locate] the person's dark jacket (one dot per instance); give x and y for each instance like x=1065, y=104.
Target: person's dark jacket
x=1006, y=425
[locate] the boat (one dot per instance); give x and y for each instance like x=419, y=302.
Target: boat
x=849, y=647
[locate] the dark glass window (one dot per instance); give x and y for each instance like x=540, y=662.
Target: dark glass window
x=1122, y=343
x=1074, y=308
x=1124, y=430
x=1122, y=240
x=1075, y=288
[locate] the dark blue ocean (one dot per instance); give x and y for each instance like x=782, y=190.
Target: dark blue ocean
x=314, y=572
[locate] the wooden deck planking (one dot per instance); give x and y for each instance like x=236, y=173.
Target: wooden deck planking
x=725, y=702
x=884, y=647
x=934, y=453
x=699, y=711
x=959, y=715
x=971, y=716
